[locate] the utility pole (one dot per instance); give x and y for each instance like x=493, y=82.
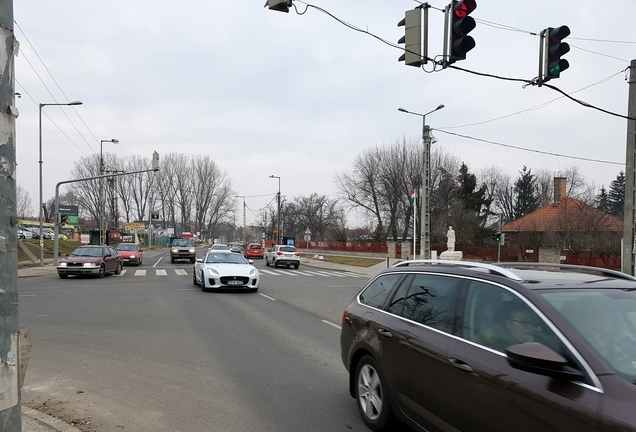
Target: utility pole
x=10, y=412
x=425, y=217
x=629, y=239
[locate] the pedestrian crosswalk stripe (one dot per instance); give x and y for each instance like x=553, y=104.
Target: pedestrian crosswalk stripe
x=181, y=272
x=331, y=274
x=161, y=272
x=140, y=273
x=313, y=273
x=123, y=272
x=268, y=272
x=287, y=273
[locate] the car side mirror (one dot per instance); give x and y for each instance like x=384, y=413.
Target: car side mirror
x=538, y=359
x=200, y=260
x=250, y=261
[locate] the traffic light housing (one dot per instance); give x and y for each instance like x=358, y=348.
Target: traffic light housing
x=64, y=219
x=412, y=38
x=279, y=5
x=553, y=48
x=459, y=25
x=496, y=237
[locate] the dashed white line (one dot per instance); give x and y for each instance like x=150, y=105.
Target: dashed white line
x=332, y=324
x=158, y=261
x=268, y=297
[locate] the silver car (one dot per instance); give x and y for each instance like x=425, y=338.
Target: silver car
x=225, y=270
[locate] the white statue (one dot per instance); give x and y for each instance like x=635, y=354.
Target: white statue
x=450, y=242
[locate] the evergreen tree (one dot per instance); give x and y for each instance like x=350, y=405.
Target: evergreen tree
x=526, y=190
x=616, y=195
x=602, y=200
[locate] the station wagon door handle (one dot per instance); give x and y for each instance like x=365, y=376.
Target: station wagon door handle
x=461, y=365
x=385, y=333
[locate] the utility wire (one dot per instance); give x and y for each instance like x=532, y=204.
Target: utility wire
x=55, y=124
x=530, y=150
x=58, y=86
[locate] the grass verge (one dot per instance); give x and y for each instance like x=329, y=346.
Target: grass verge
x=353, y=261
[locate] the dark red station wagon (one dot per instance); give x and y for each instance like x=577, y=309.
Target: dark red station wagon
x=460, y=346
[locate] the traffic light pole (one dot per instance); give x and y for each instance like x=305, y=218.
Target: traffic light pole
x=629, y=238
x=425, y=222
x=57, y=202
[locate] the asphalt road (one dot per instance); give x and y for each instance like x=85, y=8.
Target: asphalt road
x=154, y=353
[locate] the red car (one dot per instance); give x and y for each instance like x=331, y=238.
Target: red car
x=254, y=250
x=90, y=261
x=131, y=253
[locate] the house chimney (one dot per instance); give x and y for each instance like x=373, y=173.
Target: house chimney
x=559, y=189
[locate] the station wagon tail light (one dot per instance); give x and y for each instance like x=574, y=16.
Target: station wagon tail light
x=345, y=317
x=297, y=254
x=279, y=253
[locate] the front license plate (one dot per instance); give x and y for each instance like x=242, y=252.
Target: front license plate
x=234, y=282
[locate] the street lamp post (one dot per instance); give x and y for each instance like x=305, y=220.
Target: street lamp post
x=243, y=235
x=42, y=105
x=425, y=222
x=278, y=218
x=101, y=188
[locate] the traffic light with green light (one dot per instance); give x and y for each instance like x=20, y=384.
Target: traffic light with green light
x=460, y=25
x=553, y=49
x=496, y=237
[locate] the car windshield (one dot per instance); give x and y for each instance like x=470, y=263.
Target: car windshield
x=127, y=247
x=225, y=258
x=288, y=249
x=182, y=242
x=606, y=319
x=87, y=251
x=255, y=246
x=220, y=247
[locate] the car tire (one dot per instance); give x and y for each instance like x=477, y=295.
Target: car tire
x=102, y=271
x=274, y=263
x=372, y=396
x=62, y=276
x=118, y=269
x=254, y=290
x=194, y=278
x=203, y=288
x=296, y=266
x=266, y=262
x=171, y=260
x=193, y=260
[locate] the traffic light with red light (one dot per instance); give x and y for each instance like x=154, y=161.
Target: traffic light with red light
x=458, y=26
x=551, y=50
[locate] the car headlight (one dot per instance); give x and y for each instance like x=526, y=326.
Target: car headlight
x=132, y=256
x=192, y=250
x=89, y=264
x=253, y=272
x=212, y=271
x=62, y=264
x=174, y=251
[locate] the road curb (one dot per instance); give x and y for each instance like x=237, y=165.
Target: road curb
x=30, y=417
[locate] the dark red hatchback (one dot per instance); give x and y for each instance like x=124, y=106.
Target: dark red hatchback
x=90, y=261
x=460, y=346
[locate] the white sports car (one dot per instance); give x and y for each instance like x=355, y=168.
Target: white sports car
x=222, y=270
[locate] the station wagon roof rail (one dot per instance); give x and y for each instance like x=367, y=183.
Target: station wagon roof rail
x=494, y=269
x=569, y=268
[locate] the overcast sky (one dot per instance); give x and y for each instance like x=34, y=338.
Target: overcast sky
x=299, y=96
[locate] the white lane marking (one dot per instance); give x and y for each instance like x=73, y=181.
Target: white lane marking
x=158, y=261
x=340, y=275
x=313, y=273
x=187, y=289
x=267, y=297
x=332, y=324
x=27, y=295
x=140, y=273
x=288, y=273
x=181, y=272
x=161, y=272
x=123, y=272
x=269, y=272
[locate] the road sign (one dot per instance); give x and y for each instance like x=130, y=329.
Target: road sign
x=307, y=231
x=307, y=237
x=73, y=220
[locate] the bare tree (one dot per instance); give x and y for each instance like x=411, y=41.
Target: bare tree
x=23, y=203
x=86, y=192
